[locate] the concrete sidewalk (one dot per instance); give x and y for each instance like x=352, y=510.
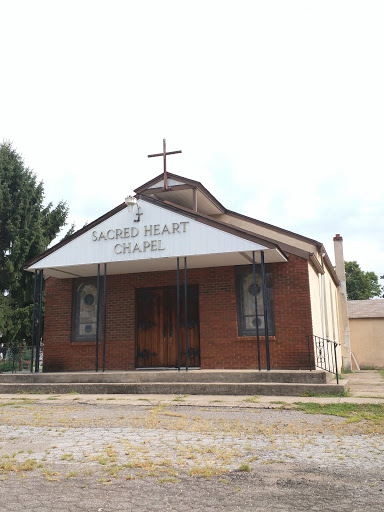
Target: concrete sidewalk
x=366, y=386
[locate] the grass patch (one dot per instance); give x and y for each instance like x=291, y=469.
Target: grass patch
x=252, y=399
x=353, y=412
x=51, y=476
x=72, y=474
x=344, y=394
x=174, y=415
x=245, y=467
x=207, y=471
x=8, y=463
x=67, y=456
x=180, y=398
x=382, y=374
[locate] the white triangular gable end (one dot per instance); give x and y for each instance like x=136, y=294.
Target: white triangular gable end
x=170, y=183
x=152, y=244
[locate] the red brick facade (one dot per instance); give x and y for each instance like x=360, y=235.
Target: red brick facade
x=220, y=345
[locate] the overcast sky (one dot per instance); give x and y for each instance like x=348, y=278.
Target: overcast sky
x=278, y=106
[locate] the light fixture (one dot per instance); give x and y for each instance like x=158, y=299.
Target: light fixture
x=130, y=201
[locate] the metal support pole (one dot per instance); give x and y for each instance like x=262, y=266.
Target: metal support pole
x=37, y=361
x=33, y=319
x=186, y=313
x=178, y=311
x=309, y=351
x=256, y=313
x=265, y=301
x=97, y=317
x=337, y=371
x=105, y=314
x=329, y=365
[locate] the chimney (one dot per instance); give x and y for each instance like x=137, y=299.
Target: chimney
x=339, y=260
x=344, y=319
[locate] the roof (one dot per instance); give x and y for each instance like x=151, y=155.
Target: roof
x=373, y=308
x=178, y=184
x=182, y=191
x=190, y=198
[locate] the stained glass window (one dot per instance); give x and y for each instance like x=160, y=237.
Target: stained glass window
x=246, y=291
x=85, y=310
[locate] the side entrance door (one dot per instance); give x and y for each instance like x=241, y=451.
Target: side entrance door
x=156, y=327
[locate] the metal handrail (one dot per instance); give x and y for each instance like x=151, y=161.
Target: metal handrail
x=324, y=354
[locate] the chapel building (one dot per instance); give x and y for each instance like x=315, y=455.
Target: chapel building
x=182, y=282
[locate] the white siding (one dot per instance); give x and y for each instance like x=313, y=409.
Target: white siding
x=192, y=238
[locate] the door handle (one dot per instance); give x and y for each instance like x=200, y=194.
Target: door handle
x=170, y=330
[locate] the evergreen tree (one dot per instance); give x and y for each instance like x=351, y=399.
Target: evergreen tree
x=361, y=285
x=26, y=229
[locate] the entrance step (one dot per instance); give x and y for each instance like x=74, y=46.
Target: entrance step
x=194, y=382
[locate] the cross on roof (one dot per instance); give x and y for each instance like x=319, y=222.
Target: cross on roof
x=164, y=155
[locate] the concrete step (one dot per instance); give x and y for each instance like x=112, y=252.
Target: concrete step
x=178, y=388
x=169, y=376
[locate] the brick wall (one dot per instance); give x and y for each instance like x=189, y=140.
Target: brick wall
x=220, y=345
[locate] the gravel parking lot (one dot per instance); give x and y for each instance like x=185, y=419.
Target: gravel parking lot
x=110, y=453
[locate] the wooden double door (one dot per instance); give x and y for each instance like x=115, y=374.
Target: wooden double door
x=156, y=327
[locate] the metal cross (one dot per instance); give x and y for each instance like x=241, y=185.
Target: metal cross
x=164, y=155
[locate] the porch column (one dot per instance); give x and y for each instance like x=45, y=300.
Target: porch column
x=178, y=311
x=186, y=313
x=33, y=319
x=105, y=314
x=37, y=361
x=256, y=313
x=265, y=302
x=97, y=318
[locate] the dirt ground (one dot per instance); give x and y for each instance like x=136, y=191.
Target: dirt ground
x=122, y=453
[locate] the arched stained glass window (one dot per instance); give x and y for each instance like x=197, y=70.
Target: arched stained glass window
x=85, y=310
x=245, y=288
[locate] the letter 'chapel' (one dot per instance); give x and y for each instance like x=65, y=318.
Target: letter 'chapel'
x=173, y=279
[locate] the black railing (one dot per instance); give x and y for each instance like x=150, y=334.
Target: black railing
x=322, y=354
x=18, y=358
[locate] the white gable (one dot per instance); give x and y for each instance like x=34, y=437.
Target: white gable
x=170, y=183
x=160, y=234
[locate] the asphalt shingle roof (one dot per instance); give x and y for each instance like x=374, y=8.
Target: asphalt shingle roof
x=373, y=308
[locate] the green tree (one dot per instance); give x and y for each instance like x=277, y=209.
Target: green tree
x=26, y=229
x=361, y=285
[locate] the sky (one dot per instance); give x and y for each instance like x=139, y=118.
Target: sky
x=277, y=106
